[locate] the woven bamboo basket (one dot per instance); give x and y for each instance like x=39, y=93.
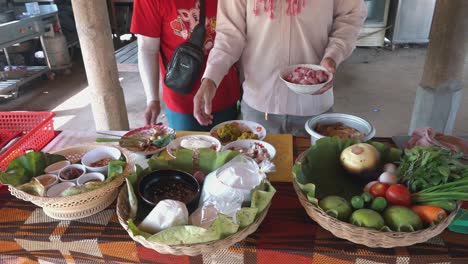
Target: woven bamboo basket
x=366, y=236
x=123, y=211
x=80, y=205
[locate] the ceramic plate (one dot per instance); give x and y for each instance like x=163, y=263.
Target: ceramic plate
x=146, y=133
x=245, y=126
x=176, y=143
x=252, y=148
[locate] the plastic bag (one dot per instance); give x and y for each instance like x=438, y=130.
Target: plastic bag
x=232, y=185
x=167, y=213
x=204, y=216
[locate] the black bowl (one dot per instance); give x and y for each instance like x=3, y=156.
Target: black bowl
x=169, y=184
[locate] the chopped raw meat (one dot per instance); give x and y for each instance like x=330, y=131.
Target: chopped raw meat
x=307, y=76
x=428, y=137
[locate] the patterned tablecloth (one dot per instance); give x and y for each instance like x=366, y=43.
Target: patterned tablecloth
x=287, y=235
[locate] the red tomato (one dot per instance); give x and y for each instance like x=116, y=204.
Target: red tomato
x=398, y=194
x=378, y=189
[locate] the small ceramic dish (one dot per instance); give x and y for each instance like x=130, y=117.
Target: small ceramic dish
x=58, y=188
x=47, y=180
x=90, y=177
x=56, y=167
x=71, y=173
x=193, y=142
x=97, y=160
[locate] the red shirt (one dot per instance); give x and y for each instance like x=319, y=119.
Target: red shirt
x=173, y=21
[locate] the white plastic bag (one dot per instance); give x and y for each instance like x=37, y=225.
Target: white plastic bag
x=167, y=213
x=232, y=185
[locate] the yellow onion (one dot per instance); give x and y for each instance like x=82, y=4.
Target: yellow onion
x=361, y=159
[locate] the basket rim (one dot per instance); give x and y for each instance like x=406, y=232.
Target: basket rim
x=242, y=234
x=304, y=199
x=129, y=168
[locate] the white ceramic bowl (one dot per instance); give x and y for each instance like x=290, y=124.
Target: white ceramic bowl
x=58, y=188
x=92, y=176
x=53, y=180
x=248, y=143
x=72, y=166
x=176, y=143
x=54, y=168
x=348, y=120
x=302, y=88
x=98, y=154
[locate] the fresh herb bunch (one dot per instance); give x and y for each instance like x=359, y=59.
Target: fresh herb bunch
x=424, y=167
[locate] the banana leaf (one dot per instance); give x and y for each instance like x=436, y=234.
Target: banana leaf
x=321, y=174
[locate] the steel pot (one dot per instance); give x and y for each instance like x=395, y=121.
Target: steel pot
x=332, y=118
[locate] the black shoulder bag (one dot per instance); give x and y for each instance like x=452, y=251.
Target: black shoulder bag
x=187, y=62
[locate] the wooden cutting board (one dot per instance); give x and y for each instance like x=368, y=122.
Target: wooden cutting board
x=283, y=160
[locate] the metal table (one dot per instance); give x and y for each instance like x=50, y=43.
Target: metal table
x=24, y=29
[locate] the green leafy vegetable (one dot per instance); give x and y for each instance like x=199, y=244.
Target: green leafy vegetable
x=115, y=169
x=23, y=168
x=160, y=142
x=164, y=140
x=246, y=216
x=423, y=167
x=34, y=187
x=82, y=189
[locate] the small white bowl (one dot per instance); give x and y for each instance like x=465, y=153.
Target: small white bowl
x=92, y=176
x=303, y=88
x=43, y=178
x=58, y=188
x=176, y=143
x=54, y=168
x=98, y=154
x=72, y=166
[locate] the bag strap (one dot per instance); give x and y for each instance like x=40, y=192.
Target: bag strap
x=198, y=35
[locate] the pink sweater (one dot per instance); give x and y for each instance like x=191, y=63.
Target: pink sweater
x=266, y=40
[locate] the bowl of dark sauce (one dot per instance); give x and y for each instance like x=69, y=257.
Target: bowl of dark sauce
x=169, y=184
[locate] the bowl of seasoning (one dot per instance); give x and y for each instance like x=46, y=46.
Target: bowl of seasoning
x=71, y=173
x=47, y=180
x=56, y=167
x=97, y=160
x=90, y=177
x=169, y=184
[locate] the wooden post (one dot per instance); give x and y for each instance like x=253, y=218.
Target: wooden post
x=107, y=98
x=439, y=95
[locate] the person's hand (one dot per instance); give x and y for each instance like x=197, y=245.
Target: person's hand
x=202, y=102
x=152, y=111
x=329, y=64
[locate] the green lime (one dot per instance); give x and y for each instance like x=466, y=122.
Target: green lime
x=379, y=204
x=367, y=197
x=357, y=202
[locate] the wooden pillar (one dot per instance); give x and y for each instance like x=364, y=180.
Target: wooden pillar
x=439, y=94
x=94, y=32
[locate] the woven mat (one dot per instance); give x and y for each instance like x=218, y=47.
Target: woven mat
x=287, y=235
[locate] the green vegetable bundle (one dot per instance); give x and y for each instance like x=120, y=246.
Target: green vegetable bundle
x=423, y=167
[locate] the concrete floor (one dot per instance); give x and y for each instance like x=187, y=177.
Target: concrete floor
x=376, y=84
